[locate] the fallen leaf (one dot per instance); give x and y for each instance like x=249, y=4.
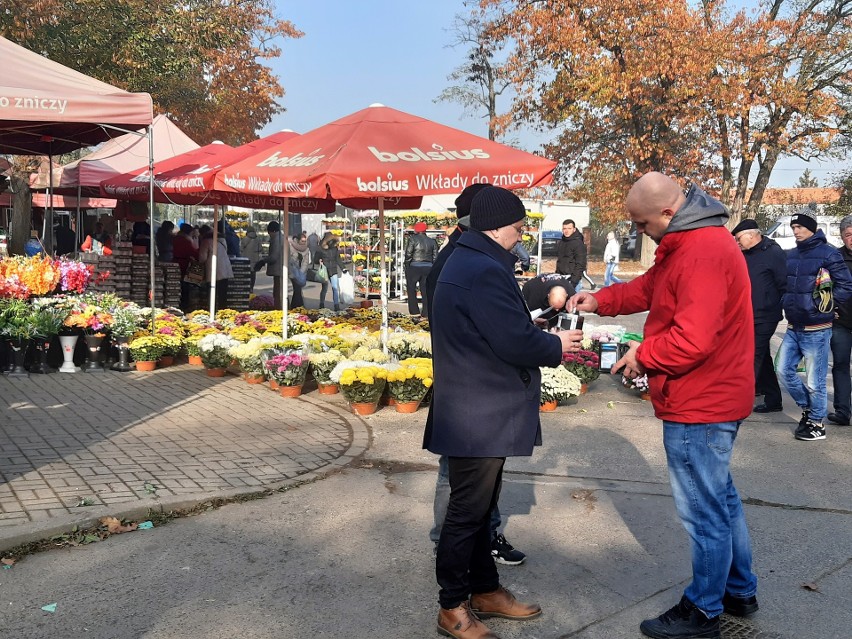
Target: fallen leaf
x=810, y=585
x=582, y=410
x=114, y=526
x=7, y=561
x=610, y=404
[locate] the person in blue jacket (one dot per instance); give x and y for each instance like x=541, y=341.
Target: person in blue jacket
x=486, y=356
x=817, y=282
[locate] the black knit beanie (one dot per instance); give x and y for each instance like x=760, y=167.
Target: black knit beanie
x=807, y=218
x=466, y=197
x=493, y=208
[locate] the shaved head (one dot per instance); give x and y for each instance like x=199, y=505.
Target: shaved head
x=652, y=202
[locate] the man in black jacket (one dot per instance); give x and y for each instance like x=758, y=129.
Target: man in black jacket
x=571, y=254
x=421, y=251
x=841, y=341
x=767, y=270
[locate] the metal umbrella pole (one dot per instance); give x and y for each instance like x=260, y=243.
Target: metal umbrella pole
x=383, y=274
x=214, y=255
x=285, y=264
x=151, y=254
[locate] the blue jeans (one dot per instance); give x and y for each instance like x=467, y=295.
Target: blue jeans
x=335, y=291
x=442, y=498
x=813, y=346
x=841, y=347
x=710, y=509
x=609, y=274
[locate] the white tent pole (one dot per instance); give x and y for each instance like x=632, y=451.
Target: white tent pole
x=151, y=250
x=78, y=227
x=285, y=265
x=47, y=221
x=383, y=274
x=213, y=257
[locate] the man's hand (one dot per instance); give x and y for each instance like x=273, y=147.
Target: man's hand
x=571, y=340
x=582, y=301
x=628, y=365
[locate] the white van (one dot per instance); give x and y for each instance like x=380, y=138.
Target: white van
x=781, y=232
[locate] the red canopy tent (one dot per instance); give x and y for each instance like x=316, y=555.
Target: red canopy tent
x=378, y=153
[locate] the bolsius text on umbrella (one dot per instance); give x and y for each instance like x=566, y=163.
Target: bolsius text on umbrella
x=413, y=154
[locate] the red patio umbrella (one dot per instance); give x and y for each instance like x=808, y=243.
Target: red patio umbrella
x=378, y=153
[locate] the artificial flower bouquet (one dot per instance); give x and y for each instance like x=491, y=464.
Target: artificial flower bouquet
x=323, y=363
x=288, y=369
x=410, y=381
x=558, y=384
x=124, y=323
x=215, y=350
x=92, y=319
x=146, y=349
x=585, y=364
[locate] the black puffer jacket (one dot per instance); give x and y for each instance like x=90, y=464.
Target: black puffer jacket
x=767, y=270
x=420, y=248
x=844, y=311
x=571, y=256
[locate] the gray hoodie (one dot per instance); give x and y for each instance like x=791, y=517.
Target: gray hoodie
x=698, y=211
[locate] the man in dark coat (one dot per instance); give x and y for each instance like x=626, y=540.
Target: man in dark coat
x=421, y=251
x=767, y=271
x=571, y=254
x=841, y=340
x=502, y=551
x=486, y=355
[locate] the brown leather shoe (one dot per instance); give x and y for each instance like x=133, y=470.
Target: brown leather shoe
x=502, y=603
x=461, y=623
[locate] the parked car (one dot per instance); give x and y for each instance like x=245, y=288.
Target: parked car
x=628, y=245
x=549, y=241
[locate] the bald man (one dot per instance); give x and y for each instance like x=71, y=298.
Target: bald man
x=698, y=353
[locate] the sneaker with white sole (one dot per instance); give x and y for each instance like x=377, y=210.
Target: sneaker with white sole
x=812, y=432
x=504, y=553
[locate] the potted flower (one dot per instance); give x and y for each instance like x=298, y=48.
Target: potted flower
x=409, y=382
x=557, y=384
x=47, y=322
x=408, y=345
x=322, y=364
x=584, y=364
x=146, y=351
x=289, y=370
x=124, y=326
x=249, y=357
x=94, y=321
x=215, y=353
x=640, y=384
x=18, y=327
x=172, y=345
x=361, y=383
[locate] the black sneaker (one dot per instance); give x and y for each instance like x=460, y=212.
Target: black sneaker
x=684, y=621
x=811, y=432
x=836, y=418
x=803, y=422
x=504, y=553
x=763, y=408
x=740, y=606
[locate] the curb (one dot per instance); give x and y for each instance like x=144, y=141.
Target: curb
x=138, y=510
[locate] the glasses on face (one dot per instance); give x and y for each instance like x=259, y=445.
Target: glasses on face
x=519, y=229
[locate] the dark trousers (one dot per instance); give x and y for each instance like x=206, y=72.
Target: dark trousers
x=415, y=275
x=464, y=565
x=297, y=299
x=765, y=379
x=185, y=288
x=221, y=294
x=276, y=292
x=841, y=346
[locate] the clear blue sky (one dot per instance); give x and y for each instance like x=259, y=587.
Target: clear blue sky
x=394, y=52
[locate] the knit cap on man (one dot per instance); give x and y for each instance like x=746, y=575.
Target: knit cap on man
x=494, y=208
x=805, y=217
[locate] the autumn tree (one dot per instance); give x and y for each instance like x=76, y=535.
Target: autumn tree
x=202, y=61
x=481, y=79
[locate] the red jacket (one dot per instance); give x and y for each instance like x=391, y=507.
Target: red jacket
x=699, y=335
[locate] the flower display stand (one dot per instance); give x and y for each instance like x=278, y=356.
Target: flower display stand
x=216, y=372
x=123, y=363
x=328, y=389
x=19, y=351
x=68, y=342
x=94, y=344
x=364, y=408
x=548, y=407
x=146, y=367
x=41, y=367
x=290, y=391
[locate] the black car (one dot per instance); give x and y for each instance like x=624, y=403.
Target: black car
x=549, y=241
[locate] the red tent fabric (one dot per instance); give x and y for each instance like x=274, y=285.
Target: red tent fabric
x=382, y=152
x=47, y=108
x=114, y=157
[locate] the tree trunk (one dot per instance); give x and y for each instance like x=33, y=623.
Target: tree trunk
x=22, y=215
x=762, y=181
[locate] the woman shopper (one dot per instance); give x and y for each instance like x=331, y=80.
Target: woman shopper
x=224, y=272
x=164, y=241
x=300, y=261
x=611, y=259
x=329, y=255
x=250, y=248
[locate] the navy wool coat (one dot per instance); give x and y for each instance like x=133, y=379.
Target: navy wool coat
x=486, y=353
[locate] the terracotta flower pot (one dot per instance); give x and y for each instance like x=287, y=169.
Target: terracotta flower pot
x=146, y=366
x=548, y=407
x=645, y=396
x=254, y=378
x=364, y=408
x=195, y=360
x=290, y=391
x=584, y=388
x=406, y=407
x=166, y=360
x=215, y=372
x=273, y=385
x=328, y=389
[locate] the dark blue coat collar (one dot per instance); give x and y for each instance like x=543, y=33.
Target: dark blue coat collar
x=478, y=241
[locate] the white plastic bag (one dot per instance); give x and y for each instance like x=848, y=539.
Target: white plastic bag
x=347, y=288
